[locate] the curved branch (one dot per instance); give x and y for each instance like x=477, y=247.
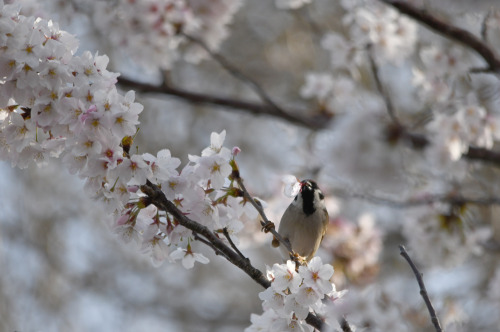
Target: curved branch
x=315, y=122
x=449, y=31
x=266, y=223
x=423, y=291
x=237, y=73
x=158, y=198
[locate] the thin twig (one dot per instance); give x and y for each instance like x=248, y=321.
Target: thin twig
x=423, y=291
x=266, y=223
x=217, y=251
x=237, y=73
x=453, y=199
x=235, y=248
x=397, y=130
x=449, y=31
x=294, y=116
x=484, y=26
x=380, y=87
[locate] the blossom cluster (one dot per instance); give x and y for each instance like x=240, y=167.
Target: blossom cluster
x=55, y=104
x=153, y=31
x=199, y=190
x=369, y=29
x=355, y=249
x=293, y=295
x=469, y=125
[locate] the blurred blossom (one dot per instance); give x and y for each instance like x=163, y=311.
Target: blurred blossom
x=292, y=296
x=291, y=4
x=317, y=85
x=342, y=52
x=60, y=101
x=441, y=234
x=355, y=250
x=292, y=185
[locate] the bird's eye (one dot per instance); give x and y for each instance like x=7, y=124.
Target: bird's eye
x=321, y=196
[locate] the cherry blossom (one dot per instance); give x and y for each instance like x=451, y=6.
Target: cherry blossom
x=291, y=4
x=317, y=275
x=59, y=102
x=292, y=185
x=285, y=277
x=292, y=296
x=188, y=257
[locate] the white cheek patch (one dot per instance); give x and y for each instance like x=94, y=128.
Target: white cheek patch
x=297, y=201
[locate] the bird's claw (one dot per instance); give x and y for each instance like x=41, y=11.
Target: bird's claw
x=300, y=260
x=266, y=228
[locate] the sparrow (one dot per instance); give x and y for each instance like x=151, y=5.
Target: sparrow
x=304, y=222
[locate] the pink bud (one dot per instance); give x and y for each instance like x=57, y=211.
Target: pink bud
x=133, y=189
x=235, y=151
x=123, y=219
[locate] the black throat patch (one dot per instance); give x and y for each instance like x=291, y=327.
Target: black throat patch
x=307, y=193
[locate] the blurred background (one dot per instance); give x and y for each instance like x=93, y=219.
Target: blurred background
x=63, y=269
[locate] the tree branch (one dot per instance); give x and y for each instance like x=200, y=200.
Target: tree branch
x=266, y=223
x=159, y=199
x=197, y=237
x=423, y=291
x=482, y=154
x=235, y=72
x=449, y=31
x=235, y=248
x=344, y=325
x=453, y=199
x=380, y=87
x=315, y=122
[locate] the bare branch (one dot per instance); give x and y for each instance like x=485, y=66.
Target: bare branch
x=423, y=291
x=315, y=122
x=449, y=31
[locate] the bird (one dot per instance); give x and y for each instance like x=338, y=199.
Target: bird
x=304, y=222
